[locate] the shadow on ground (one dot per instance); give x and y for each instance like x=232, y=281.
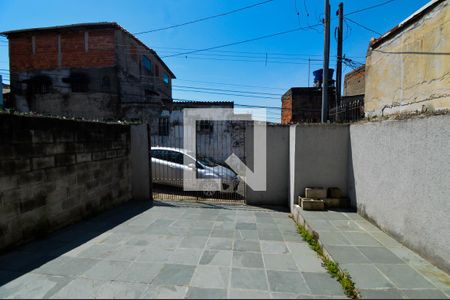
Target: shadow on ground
x=28, y=257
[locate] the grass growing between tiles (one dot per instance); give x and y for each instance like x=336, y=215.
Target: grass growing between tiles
x=332, y=267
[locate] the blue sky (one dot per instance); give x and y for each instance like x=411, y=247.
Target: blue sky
x=287, y=55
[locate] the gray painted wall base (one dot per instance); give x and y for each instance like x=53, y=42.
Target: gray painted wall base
x=140, y=163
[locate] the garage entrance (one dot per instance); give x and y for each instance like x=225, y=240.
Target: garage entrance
x=215, y=142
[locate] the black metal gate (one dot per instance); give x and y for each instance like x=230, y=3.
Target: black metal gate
x=215, y=142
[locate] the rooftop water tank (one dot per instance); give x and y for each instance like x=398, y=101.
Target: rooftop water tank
x=318, y=75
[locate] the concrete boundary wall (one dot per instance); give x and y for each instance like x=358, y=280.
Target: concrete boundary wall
x=320, y=158
x=399, y=178
x=396, y=173
x=55, y=172
x=299, y=156
x=277, y=167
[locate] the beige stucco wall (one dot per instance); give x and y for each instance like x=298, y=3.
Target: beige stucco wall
x=417, y=75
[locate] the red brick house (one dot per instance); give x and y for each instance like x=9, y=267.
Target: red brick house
x=91, y=70
x=303, y=105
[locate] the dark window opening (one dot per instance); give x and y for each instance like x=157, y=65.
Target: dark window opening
x=79, y=82
x=147, y=64
x=163, y=128
x=156, y=70
x=40, y=84
x=166, y=79
x=205, y=127
x=106, y=83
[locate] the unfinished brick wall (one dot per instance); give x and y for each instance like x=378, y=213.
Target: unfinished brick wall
x=354, y=82
x=303, y=105
x=55, y=172
x=286, y=109
x=100, y=50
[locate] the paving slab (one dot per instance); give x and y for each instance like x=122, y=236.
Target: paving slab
x=287, y=282
x=380, y=266
x=248, y=279
x=217, y=258
x=206, y=293
x=247, y=246
x=171, y=250
x=281, y=262
x=211, y=277
x=247, y=260
x=322, y=284
x=244, y=294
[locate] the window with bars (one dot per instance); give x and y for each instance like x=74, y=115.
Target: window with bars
x=205, y=127
x=163, y=128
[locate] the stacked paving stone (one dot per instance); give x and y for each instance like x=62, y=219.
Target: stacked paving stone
x=319, y=198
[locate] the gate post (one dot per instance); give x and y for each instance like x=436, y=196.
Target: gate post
x=141, y=175
x=292, y=147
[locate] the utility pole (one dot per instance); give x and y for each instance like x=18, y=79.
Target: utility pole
x=340, y=31
x=326, y=62
x=309, y=70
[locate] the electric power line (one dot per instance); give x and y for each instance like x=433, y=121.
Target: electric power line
x=6, y=72
x=233, y=84
x=244, y=41
x=196, y=89
x=242, y=52
x=225, y=90
x=274, y=34
x=368, y=8
x=362, y=26
x=205, y=18
x=297, y=12
x=235, y=104
x=247, y=60
x=258, y=56
x=226, y=94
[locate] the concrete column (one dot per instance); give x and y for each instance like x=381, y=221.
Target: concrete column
x=292, y=145
x=141, y=177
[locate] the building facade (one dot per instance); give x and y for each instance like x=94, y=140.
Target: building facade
x=214, y=139
x=91, y=70
x=354, y=82
x=303, y=105
x=407, y=69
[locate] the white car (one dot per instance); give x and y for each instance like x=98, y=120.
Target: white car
x=168, y=169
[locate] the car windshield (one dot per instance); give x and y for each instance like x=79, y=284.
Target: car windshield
x=208, y=161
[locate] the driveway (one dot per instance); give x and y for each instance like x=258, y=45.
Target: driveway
x=171, y=250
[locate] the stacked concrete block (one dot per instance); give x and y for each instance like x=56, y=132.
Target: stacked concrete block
x=318, y=198
x=312, y=204
x=336, y=198
x=313, y=199
x=54, y=172
x=315, y=193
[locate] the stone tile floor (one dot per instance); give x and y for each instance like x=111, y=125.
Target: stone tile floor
x=380, y=266
x=171, y=250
